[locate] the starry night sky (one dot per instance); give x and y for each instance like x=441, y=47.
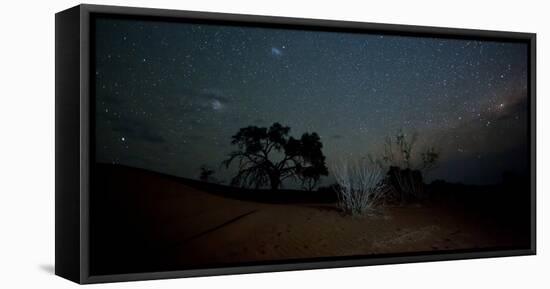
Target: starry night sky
x=169, y=96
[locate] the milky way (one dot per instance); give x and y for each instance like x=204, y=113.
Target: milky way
x=169, y=95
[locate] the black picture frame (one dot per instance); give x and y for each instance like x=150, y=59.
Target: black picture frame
x=74, y=124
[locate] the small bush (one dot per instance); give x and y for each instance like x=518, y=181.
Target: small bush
x=407, y=184
x=360, y=186
x=405, y=166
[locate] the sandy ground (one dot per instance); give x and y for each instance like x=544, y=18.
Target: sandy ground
x=185, y=227
x=242, y=231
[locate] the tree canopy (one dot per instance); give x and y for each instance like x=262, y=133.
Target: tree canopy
x=268, y=156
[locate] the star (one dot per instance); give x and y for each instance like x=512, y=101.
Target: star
x=362, y=87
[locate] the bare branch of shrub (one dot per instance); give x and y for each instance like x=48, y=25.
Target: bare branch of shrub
x=360, y=186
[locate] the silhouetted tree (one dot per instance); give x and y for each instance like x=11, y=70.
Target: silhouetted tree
x=205, y=174
x=312, y=161
x=268, y=156
x=429, y=159
x=399, y=151
x=405, y=165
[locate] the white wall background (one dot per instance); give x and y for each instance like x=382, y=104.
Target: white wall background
x=27, y=144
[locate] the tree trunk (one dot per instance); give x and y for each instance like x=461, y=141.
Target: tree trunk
x=275, y=180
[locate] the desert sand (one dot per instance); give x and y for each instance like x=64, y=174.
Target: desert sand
x=144, y=221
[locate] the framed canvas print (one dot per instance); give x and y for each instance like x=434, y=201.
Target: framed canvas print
x=192, y=144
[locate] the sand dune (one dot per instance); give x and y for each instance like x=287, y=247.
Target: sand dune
x=152, y=222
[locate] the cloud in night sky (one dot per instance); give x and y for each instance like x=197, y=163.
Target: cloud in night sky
x=214, y=99
x=276, y=52
x=189, y=101
x=177, y=92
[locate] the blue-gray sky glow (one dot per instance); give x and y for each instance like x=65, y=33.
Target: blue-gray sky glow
x=169, y=95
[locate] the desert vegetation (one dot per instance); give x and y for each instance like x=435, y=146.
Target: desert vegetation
x=268, y=156
x=206, y=174
x=394, y=178
x=367, y=211
x=360, y=188
x=406, y=166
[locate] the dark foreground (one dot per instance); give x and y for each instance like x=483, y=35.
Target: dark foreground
x=142, y=221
